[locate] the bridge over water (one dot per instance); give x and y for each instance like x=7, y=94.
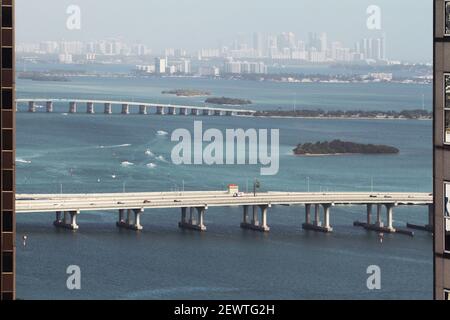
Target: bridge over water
x=128, y=106
x=194, y=204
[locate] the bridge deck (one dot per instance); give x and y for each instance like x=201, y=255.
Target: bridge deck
x=29, y=203
x=131, y=103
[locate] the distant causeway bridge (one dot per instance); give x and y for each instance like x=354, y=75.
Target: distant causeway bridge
x=194, y=204
x=142, y=108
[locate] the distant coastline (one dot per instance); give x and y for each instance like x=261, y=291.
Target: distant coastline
x=186, y=93
x=42, y=76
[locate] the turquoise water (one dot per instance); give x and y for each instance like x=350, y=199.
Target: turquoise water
x=81, y=153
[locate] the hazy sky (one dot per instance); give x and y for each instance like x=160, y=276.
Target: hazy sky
x=205, y=23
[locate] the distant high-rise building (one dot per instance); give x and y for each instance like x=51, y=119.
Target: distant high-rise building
x=139, y=49
x=169, y=52
x=179, y=53
x=335, y=46
x=209, y=53
x=358, y=48
x=441, y=159
x=323, y=42
x=160, y=65
x=313, y=41
x=48, y=47
x=372, y=48
x=383, y=47
x=258, y=44
x=301, y=46
x=286, y=40
x=376, y=49
x=185, y=66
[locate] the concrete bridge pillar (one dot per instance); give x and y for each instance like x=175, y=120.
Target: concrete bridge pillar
x=254, y=224
x=369, y=213
x=31, y=106
x=172, y=111
x=49, y=106
x=308, y=213
x=316, y=225
x=245, y=215
x=183, y=112
x=108, y=108
x=142, y=109
x=264, y=218
x=191, y=216
x=137, y=219
x=195, y=112
x=67, y=221
x=229, y=113
x=132, y=220
x=125, y=109
x=317, y=222
x=129, y=220
x=201, y=218
x=205, y=112
x=160, y=110
x=255, y=221
x=379, y=223
x=72, y=107
x=193, y=223
x=90, y=107
x=217, y=112
x=389, y=216
x=121, y=217
x=183, y=215
x=326, y=217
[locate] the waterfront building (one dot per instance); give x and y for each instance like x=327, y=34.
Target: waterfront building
x=7, y=121
x=441, y=168
x=160, y=65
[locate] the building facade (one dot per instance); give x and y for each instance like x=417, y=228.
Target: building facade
x=7, y=120
x=441, y=136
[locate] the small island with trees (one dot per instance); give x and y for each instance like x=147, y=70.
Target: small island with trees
x=186, y=93
x=416, y=114
x=338, y=147
x=227, y=101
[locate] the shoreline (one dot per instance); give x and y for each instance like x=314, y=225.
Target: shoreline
x=343, y=154
x=338, y=118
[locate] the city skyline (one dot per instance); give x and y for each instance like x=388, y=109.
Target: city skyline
x=205, y=24
x=318, y=48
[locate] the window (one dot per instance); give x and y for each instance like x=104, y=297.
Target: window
x=447, y=217
x=447, y=200
x=7, y=221
x=7, y=296
x=7, y=99
x=7, y=58
x=447, y=235
x=447, y=107
x=7, y=178
x=7, y=140
x=447, y=18
x=7, y=262
x=7, y=17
